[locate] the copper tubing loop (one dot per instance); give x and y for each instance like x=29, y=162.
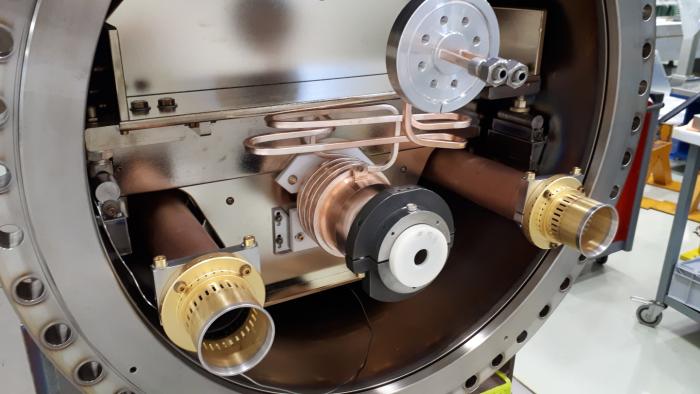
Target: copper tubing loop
x=313, y=125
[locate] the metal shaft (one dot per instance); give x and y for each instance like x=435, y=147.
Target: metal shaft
x=492, y=185
x=171, y=229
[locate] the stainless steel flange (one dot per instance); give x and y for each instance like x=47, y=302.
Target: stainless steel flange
x=422, y=31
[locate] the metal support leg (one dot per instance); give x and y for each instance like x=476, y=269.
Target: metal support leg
x=650, y=314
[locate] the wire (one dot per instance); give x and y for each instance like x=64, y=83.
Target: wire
x=121, y=260
x=369, y=345
x=277, y=390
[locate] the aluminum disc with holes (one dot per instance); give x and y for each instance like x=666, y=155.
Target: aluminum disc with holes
x=425, y=28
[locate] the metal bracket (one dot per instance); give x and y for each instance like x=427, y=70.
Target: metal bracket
x=202, y=129
x=288, y=233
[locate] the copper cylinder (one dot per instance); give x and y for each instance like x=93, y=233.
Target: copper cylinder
x=330, y=199
x=171, y=229
x=489, y=184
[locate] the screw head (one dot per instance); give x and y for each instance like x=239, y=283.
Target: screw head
x=245, y=270
x=412, y=207
x=179, y=286
x=299, y=237
x=292, y=180
x=230, y=200
x=404, y=169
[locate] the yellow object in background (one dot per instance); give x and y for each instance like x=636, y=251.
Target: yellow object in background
x=691, y=255
x=505, y=388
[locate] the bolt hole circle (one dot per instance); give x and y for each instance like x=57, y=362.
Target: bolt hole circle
x=627, y=159
x=497, y=360
x=434, y=83
x=454, y=84
x=444, y=20
x=465, y=21
x=647, y=12
x=615, y=192
x=133, y=369
x=646, y=51
x=57, y=336
x=29, y=290
x=471, y=382
x=89, y=373
x=636, y=124
x=643, y=86
x=565, y=285
x=545, y=311
x=425, y=39
x=476, y=41
x=522, y=337
x=422, y=66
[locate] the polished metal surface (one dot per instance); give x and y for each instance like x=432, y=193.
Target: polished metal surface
x=417, y=69
x=522, y=35
x=600, y=62
x=262, y=42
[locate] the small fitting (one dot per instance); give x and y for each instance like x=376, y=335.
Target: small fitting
x=493, y=71
x=160, y=262
x=517, y=74
x=249, y=241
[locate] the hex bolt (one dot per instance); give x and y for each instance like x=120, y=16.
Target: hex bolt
x=160, y=262
x=249, y=241
x=7, y=43
x=5, y=178
x=4, y=113
x=167, y=104
x=140, y=107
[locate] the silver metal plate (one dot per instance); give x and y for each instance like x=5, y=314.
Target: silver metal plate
x=424, y=29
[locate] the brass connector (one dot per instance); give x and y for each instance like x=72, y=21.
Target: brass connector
x=214, y=308
x=558, y=212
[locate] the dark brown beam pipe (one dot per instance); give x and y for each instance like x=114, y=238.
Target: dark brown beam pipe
x=171, y=229
x=487, y=183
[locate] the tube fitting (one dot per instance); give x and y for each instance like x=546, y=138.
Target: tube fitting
x=517, y=74
x=557, y=212
x=214, y=308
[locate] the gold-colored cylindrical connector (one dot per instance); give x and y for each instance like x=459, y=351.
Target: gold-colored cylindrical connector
x=214, y=308
x=558, y=212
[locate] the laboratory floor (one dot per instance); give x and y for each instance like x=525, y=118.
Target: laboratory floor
x=593, y=342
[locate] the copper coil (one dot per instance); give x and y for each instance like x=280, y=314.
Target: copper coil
x=331, y=198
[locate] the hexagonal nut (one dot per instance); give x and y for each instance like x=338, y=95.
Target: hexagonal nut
x=493, y=71
x=517, y=74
